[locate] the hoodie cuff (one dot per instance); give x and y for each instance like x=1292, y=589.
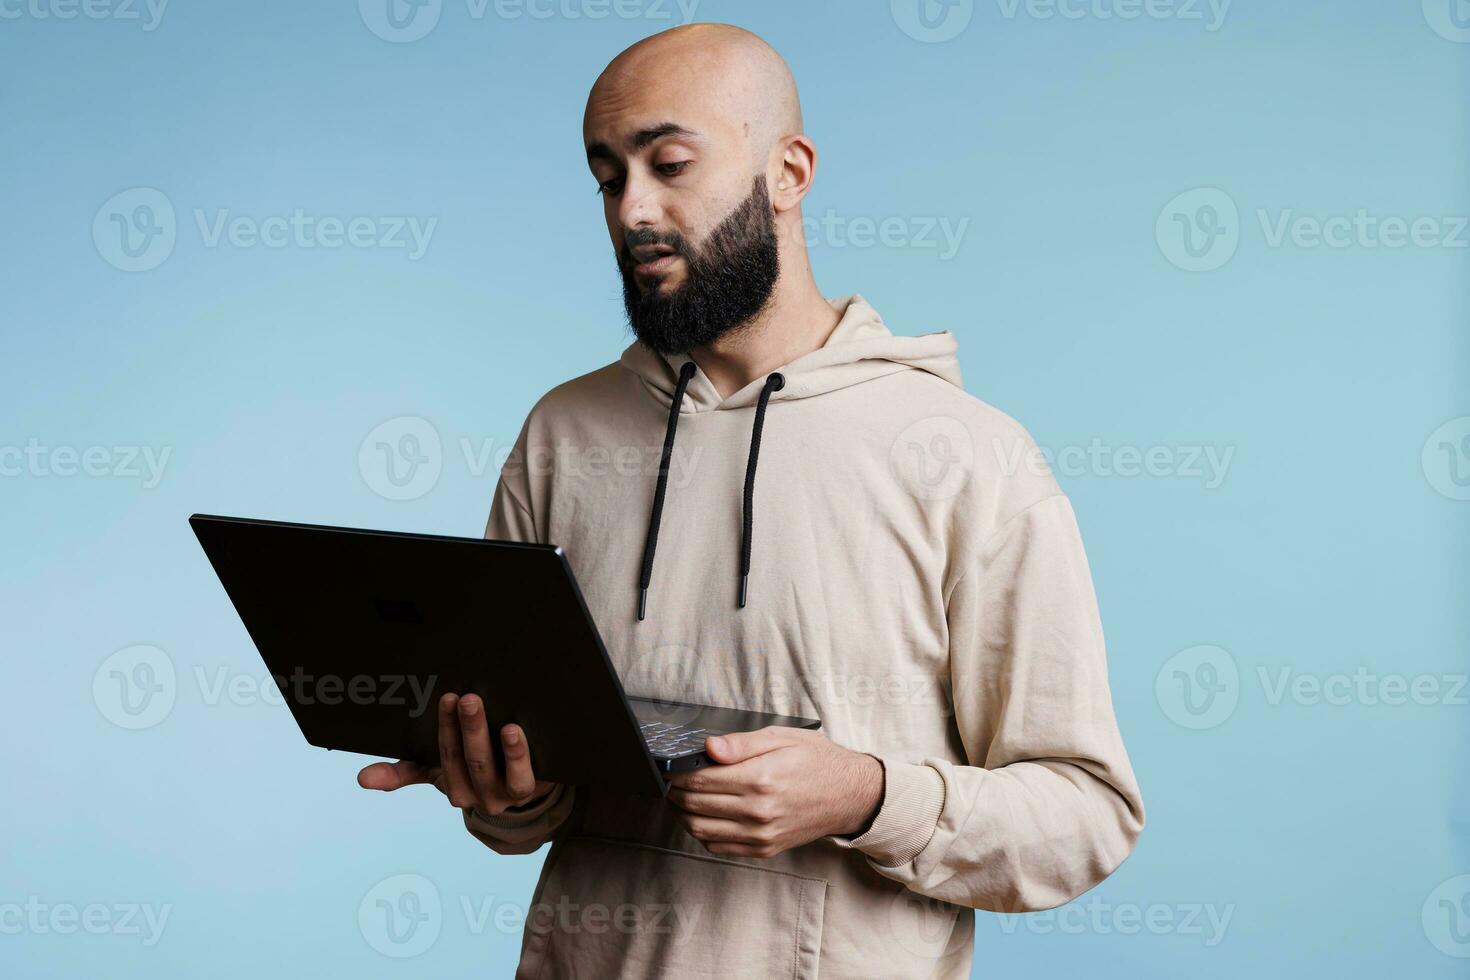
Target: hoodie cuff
x=516, y=816
x=913, y=797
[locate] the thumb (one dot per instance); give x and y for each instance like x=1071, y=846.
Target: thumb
x=389, y=776
x=739, y=746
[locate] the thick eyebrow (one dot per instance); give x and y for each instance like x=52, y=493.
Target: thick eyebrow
x=641, y=140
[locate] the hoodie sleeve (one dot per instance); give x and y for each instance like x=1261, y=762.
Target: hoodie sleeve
x=520, y=830
x=1048, y=805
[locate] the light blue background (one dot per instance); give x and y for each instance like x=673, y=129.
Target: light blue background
x=1320, y=830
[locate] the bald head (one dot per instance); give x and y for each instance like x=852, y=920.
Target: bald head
x=705, y=71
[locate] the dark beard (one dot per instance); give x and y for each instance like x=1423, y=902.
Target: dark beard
x=727, y=281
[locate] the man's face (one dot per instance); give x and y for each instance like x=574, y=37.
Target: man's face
x=688, y=213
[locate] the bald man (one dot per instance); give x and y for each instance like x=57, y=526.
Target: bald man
x=893, y=577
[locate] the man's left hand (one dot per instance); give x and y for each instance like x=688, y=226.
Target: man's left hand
x=775, y=789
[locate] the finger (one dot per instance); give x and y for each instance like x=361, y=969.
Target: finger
x=520, y=780
x=726, y=805
x=451, y=754
x=747, y=777
x=723, y=849
x=478, y=760
x=739, y=746
x=715, y=830
x=388, y=776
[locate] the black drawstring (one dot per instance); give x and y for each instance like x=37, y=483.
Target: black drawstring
x=650, y=545
x=774, y=382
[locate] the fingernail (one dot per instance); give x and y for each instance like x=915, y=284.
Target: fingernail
x=717, y=744
x=512, y=736
x=470, y=706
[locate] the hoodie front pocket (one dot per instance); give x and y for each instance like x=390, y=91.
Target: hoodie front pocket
x=610, y=908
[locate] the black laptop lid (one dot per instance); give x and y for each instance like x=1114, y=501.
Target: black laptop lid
x=364, y=630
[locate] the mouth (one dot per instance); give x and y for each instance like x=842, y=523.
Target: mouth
x=657, y=267
x=653, y=260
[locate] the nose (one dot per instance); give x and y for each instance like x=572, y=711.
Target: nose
x=639, y=206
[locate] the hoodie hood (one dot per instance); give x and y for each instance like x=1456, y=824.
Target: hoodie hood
x=860, y=349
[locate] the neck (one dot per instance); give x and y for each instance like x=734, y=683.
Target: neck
x=796, y=320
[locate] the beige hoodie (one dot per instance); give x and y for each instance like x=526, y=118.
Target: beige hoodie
x=916, y=581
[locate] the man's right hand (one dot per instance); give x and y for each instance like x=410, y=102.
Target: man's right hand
x=466, y=772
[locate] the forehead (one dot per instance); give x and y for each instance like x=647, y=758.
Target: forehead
x=629, y=111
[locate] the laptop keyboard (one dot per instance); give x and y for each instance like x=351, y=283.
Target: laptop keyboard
x=668, y=741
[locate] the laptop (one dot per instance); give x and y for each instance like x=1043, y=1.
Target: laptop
x=364, y=630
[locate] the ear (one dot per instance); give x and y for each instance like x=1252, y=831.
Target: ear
x=794, y=167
